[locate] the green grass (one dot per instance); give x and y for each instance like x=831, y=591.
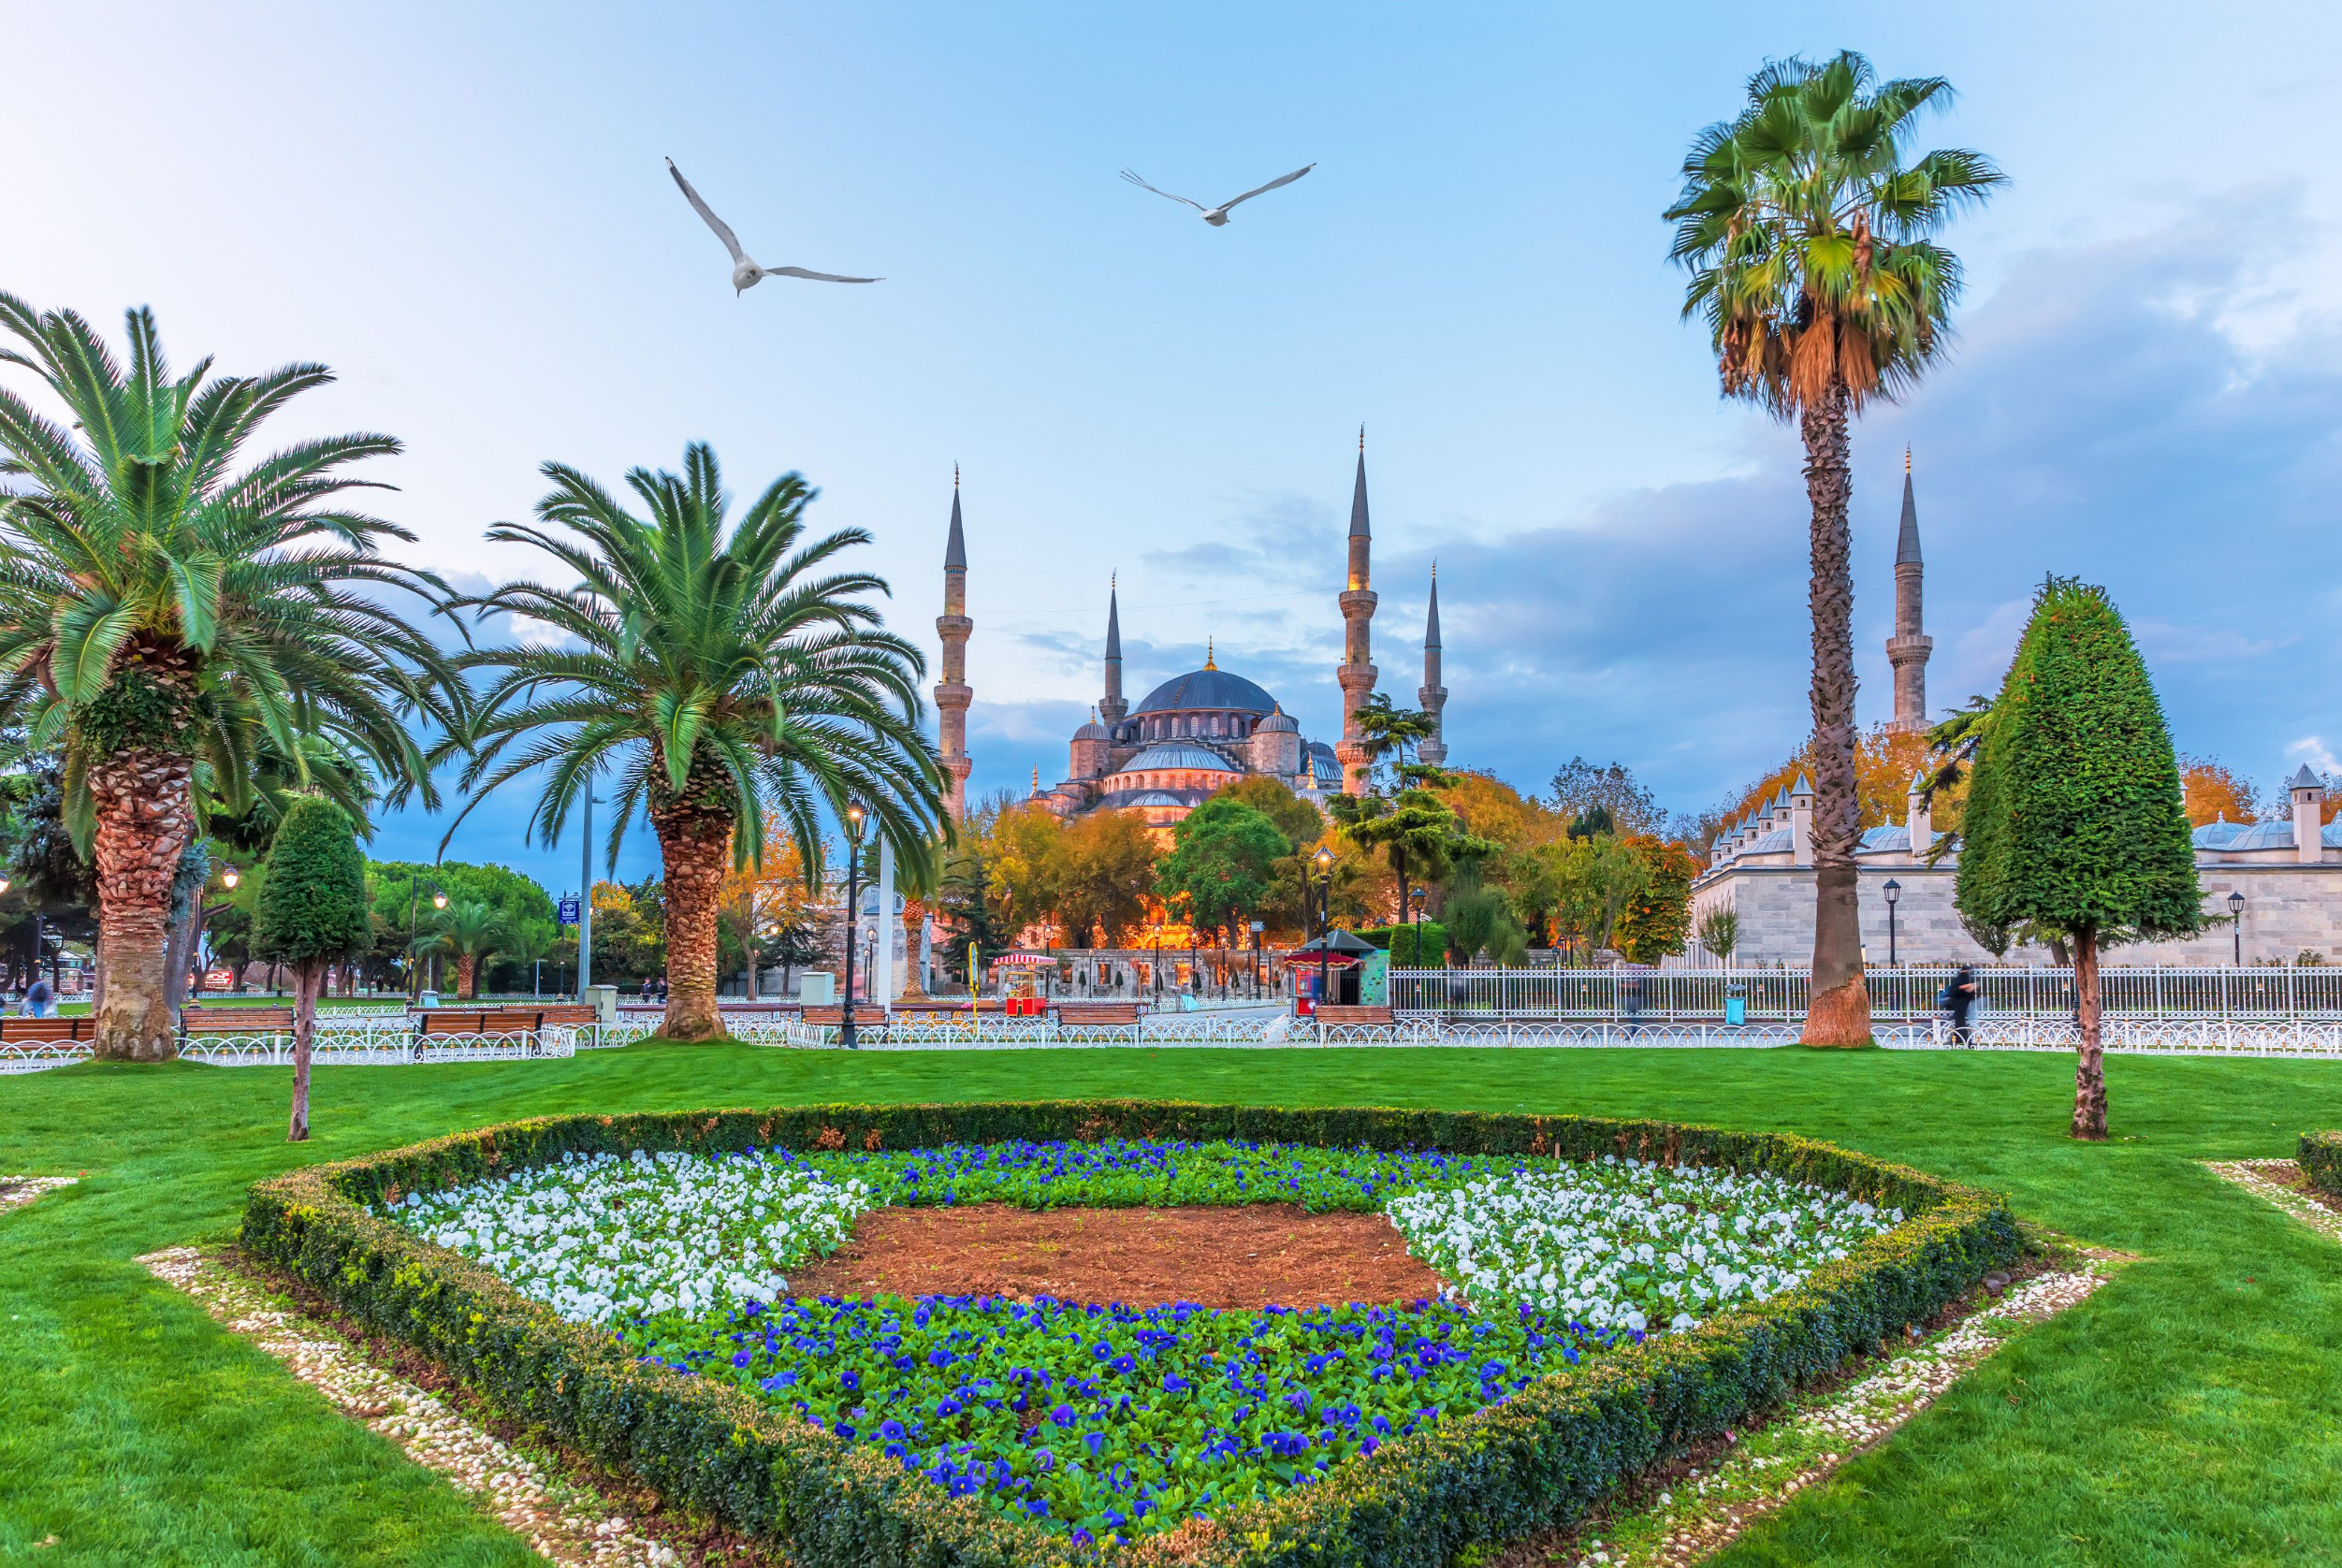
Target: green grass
x=2191, y=1412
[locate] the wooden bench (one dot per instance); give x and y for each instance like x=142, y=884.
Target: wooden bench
x=469, y=1022
x=235, y=1021
x=1336, y=1012
x=1081, y=1015
x=46, y=1031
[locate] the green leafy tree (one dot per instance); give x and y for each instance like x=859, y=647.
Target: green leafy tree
x=1221, y=866
x=965, y=907
x=163, y=609
x=1107, y=871
x=1809, y=239
x=1657, y=917
x=720, y=671
x=1302, y=824
x=1720, y=932
x=310, y=915
x=2075, y=821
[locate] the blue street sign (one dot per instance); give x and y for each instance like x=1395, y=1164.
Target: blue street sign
x=569, y=912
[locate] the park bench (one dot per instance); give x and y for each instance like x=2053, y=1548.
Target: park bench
x=46, y=1031
x=235, y=1020
x=1335, y=1012
x=451, y=1024
x=1087, y=1015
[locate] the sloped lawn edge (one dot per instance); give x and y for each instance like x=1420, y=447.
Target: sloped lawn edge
x=1534, y=1462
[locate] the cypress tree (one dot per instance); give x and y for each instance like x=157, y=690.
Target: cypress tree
x=311, y=915
x=2074, y=821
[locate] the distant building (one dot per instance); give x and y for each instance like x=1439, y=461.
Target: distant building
x=1196, y=732
x=1761, y=868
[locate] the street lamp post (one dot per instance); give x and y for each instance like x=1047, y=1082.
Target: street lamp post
x=854, y=818
x=414, y=895
x=1323, y=861
x=1256, y=959
x=2236, y=924
x=1893, y=889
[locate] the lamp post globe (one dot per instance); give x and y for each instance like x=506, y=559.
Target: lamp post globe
x=1894, y=890
x=2236, y=927
x=230, y=877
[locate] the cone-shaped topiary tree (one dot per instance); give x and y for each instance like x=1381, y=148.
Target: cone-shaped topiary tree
x=311, y=915
x=2074, y=818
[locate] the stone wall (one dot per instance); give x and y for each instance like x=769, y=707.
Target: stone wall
x=2288, y=909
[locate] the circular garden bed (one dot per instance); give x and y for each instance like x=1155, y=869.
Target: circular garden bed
x=1170, y=1334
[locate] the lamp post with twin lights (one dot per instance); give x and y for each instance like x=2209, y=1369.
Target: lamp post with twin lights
x=1323, y=862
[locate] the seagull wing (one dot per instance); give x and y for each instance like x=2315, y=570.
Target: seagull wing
x=1280, y=179
x=817, y=277
x=1144, y=187
x=723, y=230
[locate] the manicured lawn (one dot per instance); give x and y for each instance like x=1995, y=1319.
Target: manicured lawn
x=2189, y=1412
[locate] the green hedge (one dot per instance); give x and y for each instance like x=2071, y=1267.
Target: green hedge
x=1538, y=1459
x=1399, y=942
x=2321, y=1159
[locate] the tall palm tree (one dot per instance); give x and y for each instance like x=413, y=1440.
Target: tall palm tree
x=162, y=608
x=475, y=931
x=718, y=674
x=1806, y=236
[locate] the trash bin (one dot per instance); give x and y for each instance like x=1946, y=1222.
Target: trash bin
x=1736, y=1005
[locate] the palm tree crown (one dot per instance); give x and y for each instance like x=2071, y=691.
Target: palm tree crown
x=1808, y=237
x=717, y=673
x=152, y=591
x=173, y=615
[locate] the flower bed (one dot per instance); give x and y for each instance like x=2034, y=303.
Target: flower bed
x=1383, y=1434
x=2321, y=1159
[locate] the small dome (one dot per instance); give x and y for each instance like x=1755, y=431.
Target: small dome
x=1280, y=721
x=1176, y=754
x=1092, y=731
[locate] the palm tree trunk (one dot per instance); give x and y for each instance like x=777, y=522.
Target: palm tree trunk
x=915, y=921
x=467, y=977
x=145, y=811
x=1839, y=1014
x=696, y=846
x=2089, y=1064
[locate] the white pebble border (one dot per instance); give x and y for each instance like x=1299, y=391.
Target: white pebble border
x=2252, y=1175
x=1704, y=1511
x=564, y=1524
x=17, y=1191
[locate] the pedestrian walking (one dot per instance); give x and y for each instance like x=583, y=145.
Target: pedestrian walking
x=1960, y=1000
x=39, y=1000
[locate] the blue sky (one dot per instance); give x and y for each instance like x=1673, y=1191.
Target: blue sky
x=462, y=208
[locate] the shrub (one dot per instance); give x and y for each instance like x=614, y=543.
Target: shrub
x=1496, y=1473
x=2321, y=1159
x=1399, y=942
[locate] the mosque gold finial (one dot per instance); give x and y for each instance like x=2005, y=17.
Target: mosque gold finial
x=956, y=477
x=1361, y=441
x=1906, y=457
x=1207, y=655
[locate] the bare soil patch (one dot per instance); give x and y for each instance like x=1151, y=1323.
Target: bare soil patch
x=1232, y=1259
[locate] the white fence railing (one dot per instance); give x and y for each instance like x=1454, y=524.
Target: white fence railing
x=1910, y=991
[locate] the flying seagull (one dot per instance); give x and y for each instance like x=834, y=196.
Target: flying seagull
x=744, y=272
x=1215, y=216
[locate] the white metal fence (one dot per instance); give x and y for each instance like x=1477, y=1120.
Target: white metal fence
x=1907, y=991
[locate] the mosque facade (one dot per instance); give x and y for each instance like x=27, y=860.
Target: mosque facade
x=1194, y=733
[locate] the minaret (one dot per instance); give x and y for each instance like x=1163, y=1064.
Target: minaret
x=1357, y=672
x=1907, y=650
x=1432, y=695
x=1113, y=707
x=951, y=693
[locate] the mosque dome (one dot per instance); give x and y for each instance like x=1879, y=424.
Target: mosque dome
x=1170, y=754
x=1281, y=720
x=1207, y=689
x=1092, y=731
